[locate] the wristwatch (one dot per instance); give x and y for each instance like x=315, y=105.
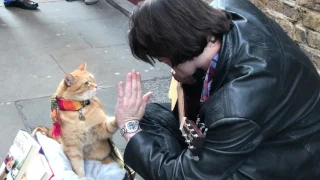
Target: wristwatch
x=130, y=127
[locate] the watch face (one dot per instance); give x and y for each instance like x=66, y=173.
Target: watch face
x=132, y=126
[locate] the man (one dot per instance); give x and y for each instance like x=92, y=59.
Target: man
x=260, y=94
x=24, y=4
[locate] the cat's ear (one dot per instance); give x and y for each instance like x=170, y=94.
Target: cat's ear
x=83, y=66
x=69, y=79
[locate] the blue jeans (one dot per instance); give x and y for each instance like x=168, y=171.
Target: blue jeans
x=163, y=124
x=7, y=2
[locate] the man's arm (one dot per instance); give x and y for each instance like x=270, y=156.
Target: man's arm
x=128, y=136
x=228, y=143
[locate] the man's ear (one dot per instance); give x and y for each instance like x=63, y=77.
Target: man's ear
x=69, y=79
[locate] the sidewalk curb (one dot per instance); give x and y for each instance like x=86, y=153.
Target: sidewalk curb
x=124, y=6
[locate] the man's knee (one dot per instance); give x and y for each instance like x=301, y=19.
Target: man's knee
x=159, y=114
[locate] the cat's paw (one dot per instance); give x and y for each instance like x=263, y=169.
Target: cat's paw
x=112, y=120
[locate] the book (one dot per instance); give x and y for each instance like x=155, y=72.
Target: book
x=39, y=169
x=53, y=151
x=20, y=155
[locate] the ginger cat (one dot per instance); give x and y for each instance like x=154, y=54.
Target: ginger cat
x=82, y=133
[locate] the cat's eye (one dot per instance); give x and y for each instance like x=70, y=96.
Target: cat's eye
x=87, y=83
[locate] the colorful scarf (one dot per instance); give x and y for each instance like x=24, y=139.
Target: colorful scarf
x=64, y=105
x=208, y=79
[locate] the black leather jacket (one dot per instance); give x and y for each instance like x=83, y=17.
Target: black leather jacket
x=263, y=114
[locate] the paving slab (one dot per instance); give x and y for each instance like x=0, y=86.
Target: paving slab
x=11, y=122
x=29, y=77
x=78, y=11
x=39, y=40
x=110, y=65
x=35, y=112
x=30, y=33
x=159, y=89
x=124, y=6
x=56, y=11
x=103, y=32
x=16, y=17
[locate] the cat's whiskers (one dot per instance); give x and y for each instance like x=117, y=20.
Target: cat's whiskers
x=101, y=82
x=102, y=87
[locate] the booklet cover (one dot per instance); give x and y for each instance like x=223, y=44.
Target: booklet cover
x=21, y=153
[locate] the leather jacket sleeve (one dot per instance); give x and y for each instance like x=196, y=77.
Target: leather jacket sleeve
x=228, y=148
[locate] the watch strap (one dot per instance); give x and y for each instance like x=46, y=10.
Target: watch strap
x=124, y=129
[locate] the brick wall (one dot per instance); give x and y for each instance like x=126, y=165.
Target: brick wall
x=300, y=19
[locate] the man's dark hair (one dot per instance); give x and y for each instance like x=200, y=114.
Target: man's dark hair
x=175, y=29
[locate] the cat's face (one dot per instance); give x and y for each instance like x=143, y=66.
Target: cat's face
x=80, y=84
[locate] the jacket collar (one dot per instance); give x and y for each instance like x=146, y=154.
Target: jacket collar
x=224, y=62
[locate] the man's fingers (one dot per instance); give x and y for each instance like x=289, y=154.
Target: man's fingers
x=134, y=86
x=146, y=98
x=120, y=92
x=139, y=93
x=128, y=88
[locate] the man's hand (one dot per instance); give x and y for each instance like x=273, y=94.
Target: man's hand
x=131, y=104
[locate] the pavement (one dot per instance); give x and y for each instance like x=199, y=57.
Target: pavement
x=38, y=47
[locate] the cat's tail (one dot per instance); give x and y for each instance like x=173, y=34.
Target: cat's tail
x=43, y=130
